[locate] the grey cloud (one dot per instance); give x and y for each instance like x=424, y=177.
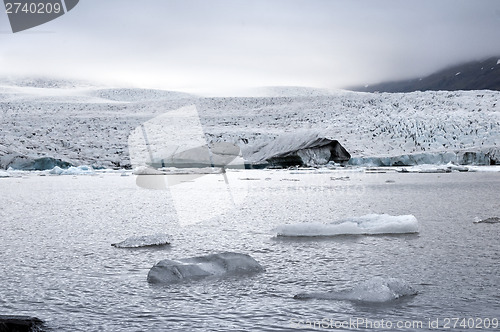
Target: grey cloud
x=205, y=43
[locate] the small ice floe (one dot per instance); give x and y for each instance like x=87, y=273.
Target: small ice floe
x=144, y=170
x=435, y=170
x=428, y=168
x=144, y=241
x=80, y=170
x=4, y=174
x=369, y=224
x=214, y=265
x=374, y=290
x=425, y=169
x=491, y=220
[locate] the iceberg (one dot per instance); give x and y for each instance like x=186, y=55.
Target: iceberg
x=300, y=148
x=80, y=170
x=374, y=290
x=144, y=241
x=369, y=224
x=430, y=168
x=491, y=220
x=4, y=174
x=21, y=323
x=25, y=163
x=213, y=265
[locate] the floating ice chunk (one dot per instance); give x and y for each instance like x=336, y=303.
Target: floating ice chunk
x=376, y=289
x=491, y=220
x=144, y=170
x=4, y=174
x=484, y=168
x=455, y=167
x=427, y=168
x=15, y=172
x=21, y=323
x=498, y=62
x=226, y=263
x=435, y=170
x=144, y=241
x=368, y=225
x=80, y=170
x=56, y=170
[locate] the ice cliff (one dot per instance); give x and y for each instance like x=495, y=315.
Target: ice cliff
x=305, y=148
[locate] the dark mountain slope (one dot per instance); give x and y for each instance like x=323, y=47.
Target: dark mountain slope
x=478, y=75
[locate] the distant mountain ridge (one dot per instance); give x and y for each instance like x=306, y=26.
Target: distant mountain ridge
x=476, y=75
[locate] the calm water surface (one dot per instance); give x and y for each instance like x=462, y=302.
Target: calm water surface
x=58, y=265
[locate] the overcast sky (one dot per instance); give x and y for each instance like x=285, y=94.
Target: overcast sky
x=202, y=45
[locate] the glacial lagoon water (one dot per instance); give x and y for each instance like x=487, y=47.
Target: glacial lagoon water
x=58, y=263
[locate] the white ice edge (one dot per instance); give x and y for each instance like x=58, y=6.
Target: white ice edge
x=369, y=224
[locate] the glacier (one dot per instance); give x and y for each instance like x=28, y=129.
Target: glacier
x=90, y=125
x=374, y=290
x=369, y=224
x=169, y=271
